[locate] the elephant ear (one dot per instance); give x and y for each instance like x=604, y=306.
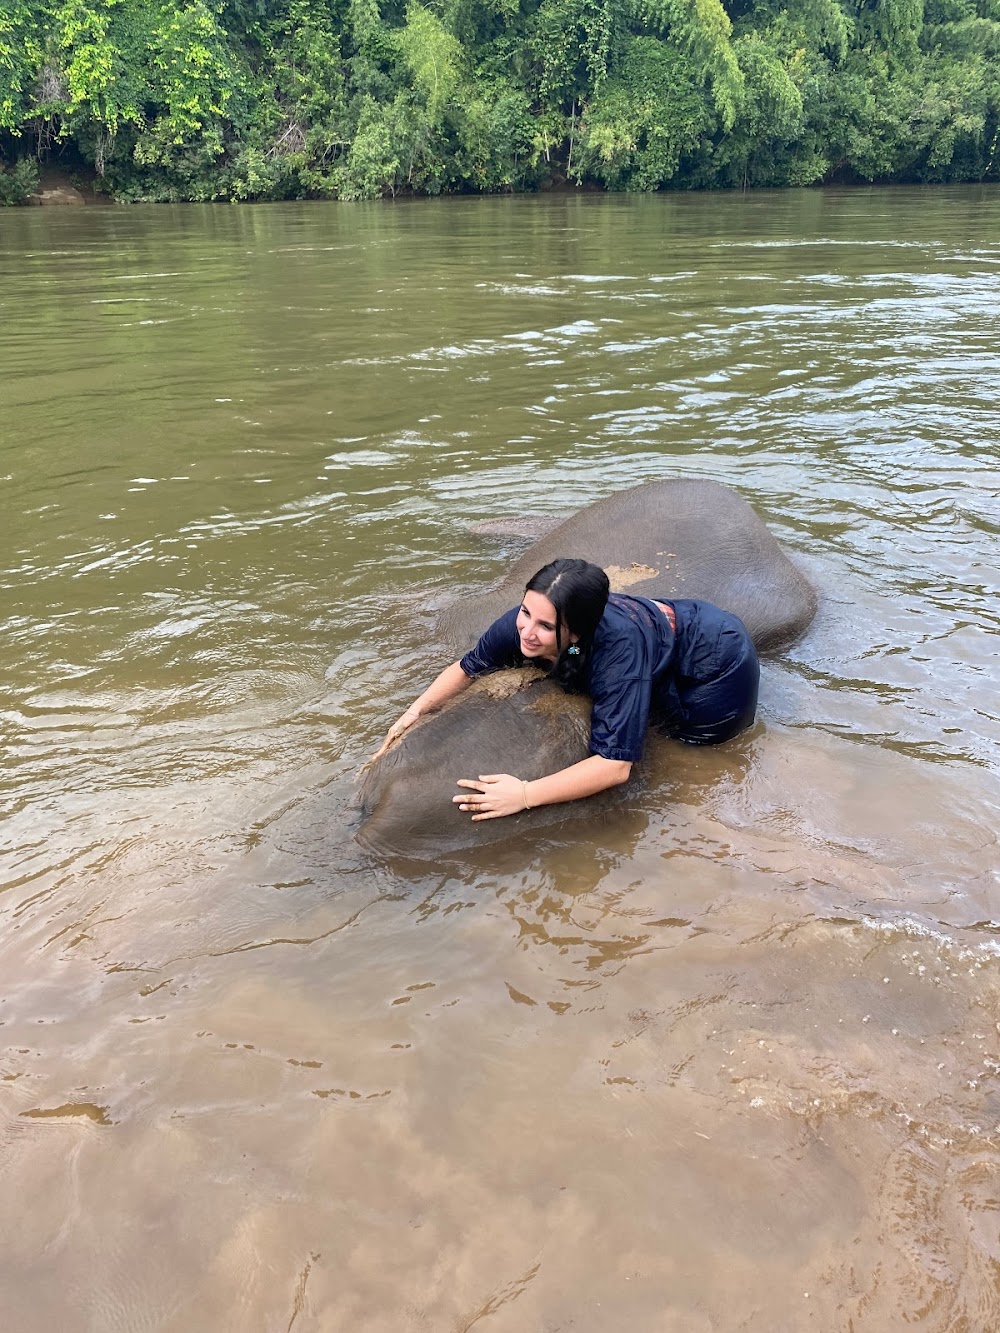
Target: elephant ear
x=527, y=526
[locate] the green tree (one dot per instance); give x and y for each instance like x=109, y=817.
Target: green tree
x=645, y=118
x=275, y=99
x=21, y=22
x=703, y=31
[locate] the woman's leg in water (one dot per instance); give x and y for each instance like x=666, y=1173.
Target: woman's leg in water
x=712, y=711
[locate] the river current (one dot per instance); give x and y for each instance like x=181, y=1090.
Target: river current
x=728, y=1061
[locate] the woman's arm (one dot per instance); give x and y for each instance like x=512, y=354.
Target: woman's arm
x=448, y=685
x=494, y=795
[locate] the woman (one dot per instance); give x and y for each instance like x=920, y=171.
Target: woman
x=687, y=665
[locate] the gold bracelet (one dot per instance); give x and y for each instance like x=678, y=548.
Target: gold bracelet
x=524, y=794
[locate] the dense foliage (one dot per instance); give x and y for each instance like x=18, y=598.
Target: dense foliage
x=353, y=99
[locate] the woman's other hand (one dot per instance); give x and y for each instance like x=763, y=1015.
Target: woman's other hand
x=401, y=724
x=492, y=796
x=448, y=685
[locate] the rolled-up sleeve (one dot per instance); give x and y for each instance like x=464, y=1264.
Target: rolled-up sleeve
x=498, y=648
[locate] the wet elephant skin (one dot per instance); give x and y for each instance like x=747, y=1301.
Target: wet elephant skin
x=664, y=539
x=532, y=729
x=681, y=538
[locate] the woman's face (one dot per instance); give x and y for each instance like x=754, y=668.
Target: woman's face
x=536, y=627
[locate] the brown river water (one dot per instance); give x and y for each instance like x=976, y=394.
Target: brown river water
x=729, y=1060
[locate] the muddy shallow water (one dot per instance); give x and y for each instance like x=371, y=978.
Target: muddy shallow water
x=727, y=1060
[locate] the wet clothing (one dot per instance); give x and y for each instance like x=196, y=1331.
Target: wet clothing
x=697, y=682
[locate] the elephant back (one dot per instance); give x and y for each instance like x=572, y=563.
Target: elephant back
x=665, y=539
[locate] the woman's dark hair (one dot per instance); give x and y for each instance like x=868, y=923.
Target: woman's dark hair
x=579, y=592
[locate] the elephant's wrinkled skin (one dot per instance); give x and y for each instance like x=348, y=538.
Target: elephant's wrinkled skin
x=520, y=722
x=664, y=539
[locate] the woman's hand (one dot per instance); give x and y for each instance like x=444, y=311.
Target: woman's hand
x=401, y=724
x=492, y=796
x=448, y=685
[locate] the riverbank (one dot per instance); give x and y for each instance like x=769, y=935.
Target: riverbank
x=63, y=189
x=297, y=101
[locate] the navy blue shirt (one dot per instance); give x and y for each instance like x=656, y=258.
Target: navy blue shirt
x=634, y=653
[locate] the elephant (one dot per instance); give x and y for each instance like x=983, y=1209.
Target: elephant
x=680, y=538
